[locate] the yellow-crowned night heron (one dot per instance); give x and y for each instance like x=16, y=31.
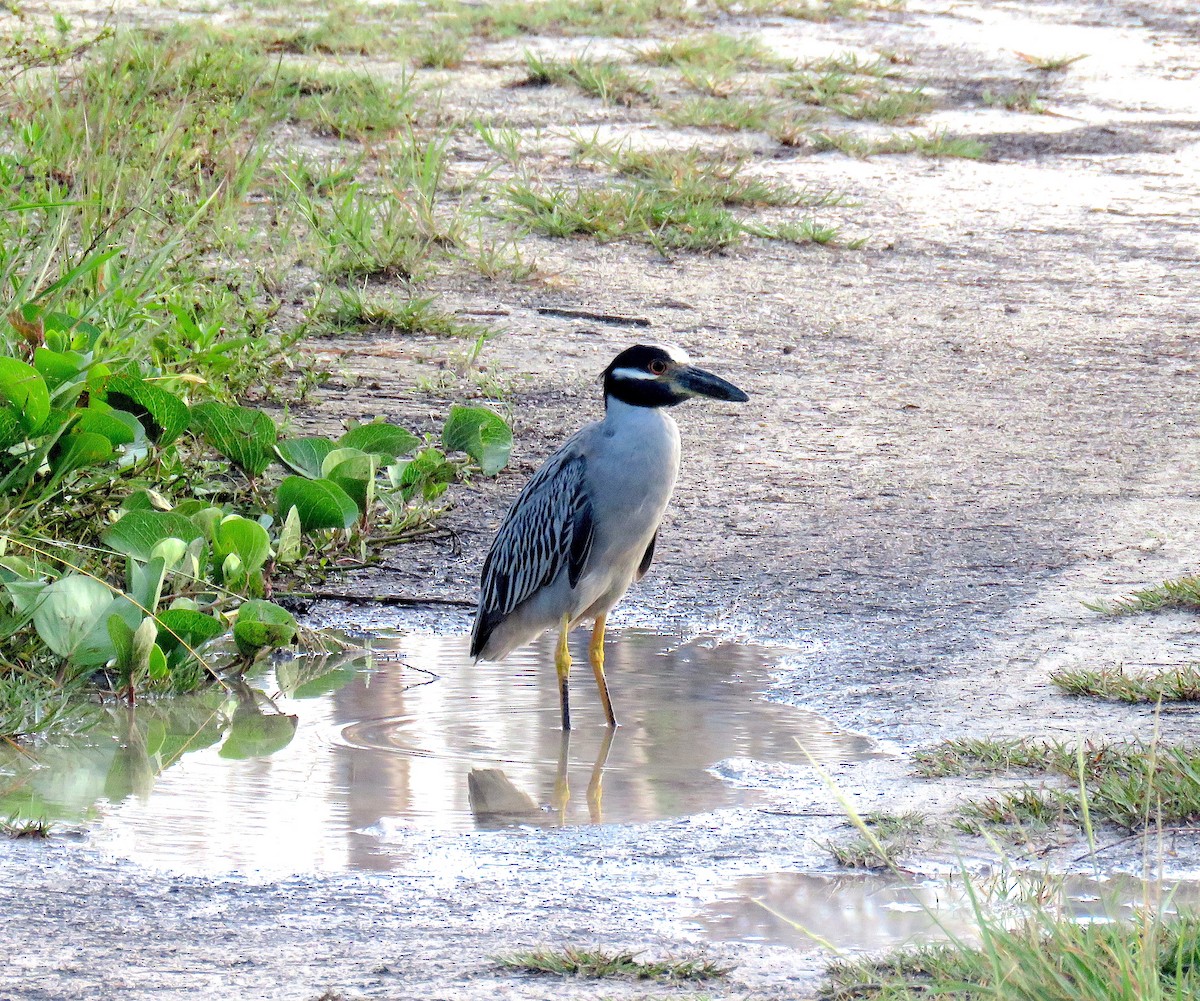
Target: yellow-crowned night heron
x=584, y=527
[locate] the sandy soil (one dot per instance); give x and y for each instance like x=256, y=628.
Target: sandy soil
x=956, y=435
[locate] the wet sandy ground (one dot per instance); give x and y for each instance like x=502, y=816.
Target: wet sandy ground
x=956, y=436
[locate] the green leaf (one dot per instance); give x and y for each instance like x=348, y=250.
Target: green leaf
x=381, y=439
x=138, y=532
x=97, y=422
x=483, y=434
x=304, y=455
x=79, y=449
x=156, y=663
x=70, y=607
x=25, y=393
x=244, y=436
x=428, y=471
x=288, y=547
x=241, y=537
x=163, y=416
x=354, y=471
x=11, y=431
x=320, y=503
x=144, y=645
x=145, y=582
x=121, y=635
x=263, y=624
x=180, y=628
x=59, y=367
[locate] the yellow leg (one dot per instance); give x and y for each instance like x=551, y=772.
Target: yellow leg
x=562, y=663
x=596, y=655
x=562, y=787
x=595, y=789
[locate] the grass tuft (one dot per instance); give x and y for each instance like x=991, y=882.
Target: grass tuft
x=713, y=52
x=1049, y=64
x=1021, y=99
x=1182, y=592
x=1046, y=957
x=1181, y=684
x=609, y=81
x=729, y=113
x=894, y=834
x=33, y=830
x=595, y=964
x=1130, y=785
x=933, y=144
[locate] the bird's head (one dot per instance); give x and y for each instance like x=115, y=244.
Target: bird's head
x=652, y=376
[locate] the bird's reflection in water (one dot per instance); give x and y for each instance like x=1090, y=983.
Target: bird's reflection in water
x=688, y=706
x=496, y=801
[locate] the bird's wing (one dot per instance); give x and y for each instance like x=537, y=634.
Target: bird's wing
x=548, y=527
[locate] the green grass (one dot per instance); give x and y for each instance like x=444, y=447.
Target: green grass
x=810, y=10
x=1021, y=99
x=694, y=173
x=17, y=829
x=728, y=113
x=671, y=199
x=596, y=964
x=153, y=215
x=345, y=104
x=1181, y=684
x=1024, y=813
x=847, y=64
x=621, y=18
x=893, y=834
x=443, y=50
x=409, y=315
x=987, y=755
x=1044, y=958
x=713, y=52
x=1050, y=64
x=1182, y=592
x=934, y=144
x=1132, y=786
x=666, y=218
x=609, y=81
x=625, y=212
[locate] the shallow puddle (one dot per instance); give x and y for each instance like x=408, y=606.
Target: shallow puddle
x=859, y=912
x=329, y=773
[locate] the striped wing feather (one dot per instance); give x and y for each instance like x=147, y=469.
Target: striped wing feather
x=549, y=527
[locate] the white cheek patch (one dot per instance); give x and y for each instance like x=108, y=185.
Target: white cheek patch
x=633, y=373
x=677, y=354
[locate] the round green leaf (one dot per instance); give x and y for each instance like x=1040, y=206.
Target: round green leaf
x=319, y=503
x=241, y=537
x=24, y=390
x=113, y=428
x=70, y=607
x=59, y=367
x=263, y=624
x=79, y=449
x=381, y=439
x=483, y=434
x=304, y=455
x=182, y=627
x=354, y=472
x=138, y=532
x=244, y=436
x=163, y=416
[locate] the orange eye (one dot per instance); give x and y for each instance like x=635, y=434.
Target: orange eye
x=658, y=367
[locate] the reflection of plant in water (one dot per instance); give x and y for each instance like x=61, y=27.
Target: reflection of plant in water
x=124, y=749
